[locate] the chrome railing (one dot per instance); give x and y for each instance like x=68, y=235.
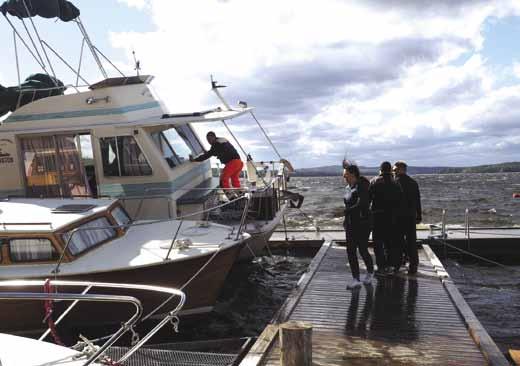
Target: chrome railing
x=85, y=297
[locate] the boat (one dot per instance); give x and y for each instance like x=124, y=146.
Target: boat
x=22, y=351
x=95, y=240
x=115, y=138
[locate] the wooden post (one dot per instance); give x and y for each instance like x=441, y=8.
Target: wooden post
x=296, y=344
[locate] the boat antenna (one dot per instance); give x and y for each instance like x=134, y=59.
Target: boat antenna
x=137, y=64
x=215, y=87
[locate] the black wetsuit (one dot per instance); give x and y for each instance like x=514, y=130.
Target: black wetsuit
x=222, y=149
x=385, y=198
x=357, y=227
x=409, y=215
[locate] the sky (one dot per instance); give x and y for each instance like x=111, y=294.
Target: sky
x=434, y=83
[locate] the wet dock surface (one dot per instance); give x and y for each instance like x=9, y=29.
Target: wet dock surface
x=398, y=320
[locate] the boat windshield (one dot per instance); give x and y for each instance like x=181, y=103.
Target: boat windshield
x=91, y=233
x=175, y=147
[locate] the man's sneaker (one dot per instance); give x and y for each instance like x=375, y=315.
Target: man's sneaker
x=367, y=280
x=380, y=272
x=354, y=284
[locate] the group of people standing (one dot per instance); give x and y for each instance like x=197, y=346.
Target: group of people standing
x=389, y=206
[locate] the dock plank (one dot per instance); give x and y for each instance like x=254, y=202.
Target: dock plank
x=399, y=320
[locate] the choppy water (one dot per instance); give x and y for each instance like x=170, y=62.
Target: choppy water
x=487, y=196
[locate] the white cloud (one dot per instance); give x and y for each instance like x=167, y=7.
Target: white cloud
x=516, y=69
x=335, y=75
x=139, y=4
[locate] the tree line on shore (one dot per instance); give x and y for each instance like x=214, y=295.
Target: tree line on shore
x=334, y=170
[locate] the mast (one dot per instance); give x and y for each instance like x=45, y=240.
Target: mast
x=91, y=47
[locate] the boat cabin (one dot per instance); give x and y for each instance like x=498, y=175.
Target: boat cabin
x=115, y=140
x=39, y=231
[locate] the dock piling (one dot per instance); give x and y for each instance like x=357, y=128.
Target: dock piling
x=296, y=343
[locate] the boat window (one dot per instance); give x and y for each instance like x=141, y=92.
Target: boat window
x=30, y=250
x=90, y=234
x=120, y=216
x=53, y=166
x=178, y=144
x=166, y=150
x=187, y=134
x=122, y=157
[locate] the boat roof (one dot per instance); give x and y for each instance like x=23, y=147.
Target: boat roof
x=46, y=215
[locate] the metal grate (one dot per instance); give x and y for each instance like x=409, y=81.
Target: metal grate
x=156, y=357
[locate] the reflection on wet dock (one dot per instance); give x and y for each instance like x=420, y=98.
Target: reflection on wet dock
x=399, y=320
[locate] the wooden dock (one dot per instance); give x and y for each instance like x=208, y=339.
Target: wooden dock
x=397, y=321
x=491, y=243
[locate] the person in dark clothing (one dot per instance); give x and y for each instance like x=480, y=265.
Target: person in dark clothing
x=384, y=198
x=228, y=155
x=357, y=224
x=410, y=214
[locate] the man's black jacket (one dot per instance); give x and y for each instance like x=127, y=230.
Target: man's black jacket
x=411, y=200
x=222, y=149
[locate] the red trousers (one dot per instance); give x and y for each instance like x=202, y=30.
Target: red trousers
x=231, y=171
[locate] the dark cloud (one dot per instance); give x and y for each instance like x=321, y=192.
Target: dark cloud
x=426, y=6
x=301, y=88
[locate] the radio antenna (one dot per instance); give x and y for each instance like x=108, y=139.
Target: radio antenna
x=137, y=64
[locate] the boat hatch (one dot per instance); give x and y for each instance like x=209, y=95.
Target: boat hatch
x=76, y=208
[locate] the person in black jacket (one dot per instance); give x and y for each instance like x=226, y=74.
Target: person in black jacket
x=227, y=154
x=357, y=224
x=410, y=214
x=384, y=198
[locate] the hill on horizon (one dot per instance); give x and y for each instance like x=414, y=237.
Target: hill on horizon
x=334, y=170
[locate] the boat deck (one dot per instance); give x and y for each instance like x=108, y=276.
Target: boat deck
x=399, y=320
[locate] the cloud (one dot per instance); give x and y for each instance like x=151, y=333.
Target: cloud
x=377, y=79
x=138, y=4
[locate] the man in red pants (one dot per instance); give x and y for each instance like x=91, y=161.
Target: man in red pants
x=227, y=154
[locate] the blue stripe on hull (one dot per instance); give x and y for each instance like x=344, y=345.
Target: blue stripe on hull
x=84, y=113
x=125, y=190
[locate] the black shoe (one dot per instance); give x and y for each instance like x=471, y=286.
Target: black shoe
x=411, y=272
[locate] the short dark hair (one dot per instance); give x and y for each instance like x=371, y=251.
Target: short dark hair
x=385, y=167
x=211, y=133
x=401, y=165
x=354, y=170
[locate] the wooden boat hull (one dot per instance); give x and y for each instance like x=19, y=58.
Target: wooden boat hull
x=26, y=316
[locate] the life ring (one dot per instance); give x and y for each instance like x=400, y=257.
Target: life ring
x=516, y=195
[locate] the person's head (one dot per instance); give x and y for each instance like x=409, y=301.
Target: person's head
x=400, y=167
x=211, y=137
x=385, y=168
x=351, y=174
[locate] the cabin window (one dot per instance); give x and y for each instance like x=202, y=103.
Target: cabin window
x=122, y=157
x=90, y=234
x=53, y=166
x=166, y=150
x=30, y=250
x=189, y=137
x=120, y=216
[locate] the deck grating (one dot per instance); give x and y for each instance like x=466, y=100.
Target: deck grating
x=396, y=321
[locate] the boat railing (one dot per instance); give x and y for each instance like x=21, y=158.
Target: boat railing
x=33, y=93
x=84, y=296
x=181, y=219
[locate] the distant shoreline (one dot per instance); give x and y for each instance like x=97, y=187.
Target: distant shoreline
x=335, y=170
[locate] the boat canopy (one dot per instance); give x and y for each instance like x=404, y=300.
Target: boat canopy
x=61, y=9
x=36, y=86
